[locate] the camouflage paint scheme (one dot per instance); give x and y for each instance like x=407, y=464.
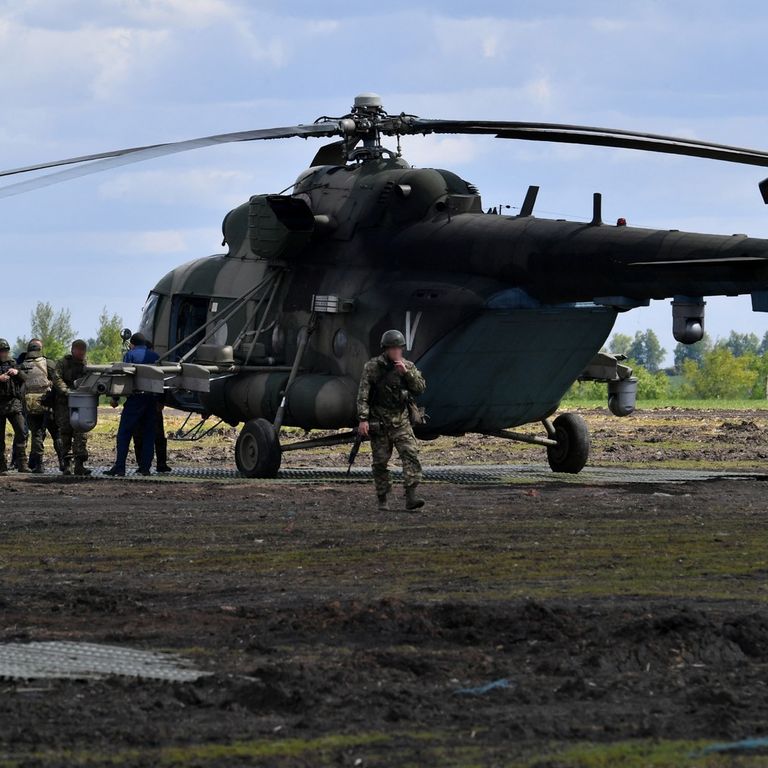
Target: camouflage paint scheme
x=501, y=313
x=382, y=400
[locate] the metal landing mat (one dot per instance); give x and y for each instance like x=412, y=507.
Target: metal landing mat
x=78, y=661
x=494, y=474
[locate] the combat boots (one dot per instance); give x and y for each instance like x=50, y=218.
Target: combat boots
x=383, y=502
x=37, y=464
x=80, y=468
x=66, y=466
x=161, y=451
x=3, y=466
x=21, y=465
x=412, y=501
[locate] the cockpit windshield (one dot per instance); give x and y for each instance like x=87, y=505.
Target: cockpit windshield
x=147, y=324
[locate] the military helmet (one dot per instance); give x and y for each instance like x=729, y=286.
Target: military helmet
x=4, y=345
x=392, y=338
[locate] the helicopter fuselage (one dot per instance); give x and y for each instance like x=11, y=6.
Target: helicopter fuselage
x=501, y=313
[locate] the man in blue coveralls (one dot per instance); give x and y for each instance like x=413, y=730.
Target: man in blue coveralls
x=139, y=412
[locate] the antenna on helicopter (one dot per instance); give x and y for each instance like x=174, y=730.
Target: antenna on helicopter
x=597, y=210
x=529, y=202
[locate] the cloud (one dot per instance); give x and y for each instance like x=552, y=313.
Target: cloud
x=158, y=242
x=89, y=62
x=609, y=26
x=485, y=37
x=437, y=152
x=192, y=186
x=539, y=91
x=117, y=56
x=175, y=12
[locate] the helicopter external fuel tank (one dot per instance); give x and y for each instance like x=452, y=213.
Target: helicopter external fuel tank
x=321, y=401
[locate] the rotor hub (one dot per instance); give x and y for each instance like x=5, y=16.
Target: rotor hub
x=364, y=125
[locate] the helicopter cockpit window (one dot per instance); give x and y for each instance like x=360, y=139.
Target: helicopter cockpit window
x=147, y=324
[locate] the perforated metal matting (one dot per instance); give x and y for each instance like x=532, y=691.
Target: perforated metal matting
x=494, y=474
x=28, y=661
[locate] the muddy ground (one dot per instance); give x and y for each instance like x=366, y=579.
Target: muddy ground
x=629, y=621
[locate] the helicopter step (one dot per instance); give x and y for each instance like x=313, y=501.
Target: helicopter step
x=567, y=442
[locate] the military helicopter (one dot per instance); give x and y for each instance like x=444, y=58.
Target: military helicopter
x=501, y=313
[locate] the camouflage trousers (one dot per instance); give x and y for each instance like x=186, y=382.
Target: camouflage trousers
x=72, y=443
x=16, y=420
x=404, y=441
x=37, y=423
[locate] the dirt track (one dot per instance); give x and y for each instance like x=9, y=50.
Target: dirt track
x=619, y=615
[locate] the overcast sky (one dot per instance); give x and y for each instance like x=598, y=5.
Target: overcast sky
x=81, y=76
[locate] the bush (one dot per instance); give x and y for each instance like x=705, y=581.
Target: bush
x=651, y=386
x=720, y=376
x=586, y=391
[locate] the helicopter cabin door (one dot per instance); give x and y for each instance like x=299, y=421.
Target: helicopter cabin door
x=188, y=314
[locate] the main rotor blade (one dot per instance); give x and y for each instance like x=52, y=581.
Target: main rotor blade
x=102, y=161
x=582, y=134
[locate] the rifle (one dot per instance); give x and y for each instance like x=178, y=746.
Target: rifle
x=372, y=425
x=354, y=451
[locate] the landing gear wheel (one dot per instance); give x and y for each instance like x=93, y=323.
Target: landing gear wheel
x=572, y=449
x=257, y=451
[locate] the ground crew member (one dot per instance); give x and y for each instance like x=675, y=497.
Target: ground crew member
x=387, y=387
x=70, y=368
x=161, y=442
x=40, y=376
x=139, y=411
x=161, y=439
x=11, y=393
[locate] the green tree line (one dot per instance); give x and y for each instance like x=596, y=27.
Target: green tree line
x=54, y=328
x=734, y=368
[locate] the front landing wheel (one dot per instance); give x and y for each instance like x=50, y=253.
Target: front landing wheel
x=572, y=449
x=257, y=450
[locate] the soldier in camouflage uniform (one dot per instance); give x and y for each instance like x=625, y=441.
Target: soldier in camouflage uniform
x=389, y=382
x=40, y=377
x=70, y=368
x=11, y=393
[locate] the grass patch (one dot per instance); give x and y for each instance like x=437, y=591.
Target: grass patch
x=404, y=749
x=673, y=402
x=641, y=754
x=648, y=554
x=322, y=749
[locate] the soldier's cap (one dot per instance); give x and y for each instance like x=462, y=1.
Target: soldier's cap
x=34, y=346
x=80, y=344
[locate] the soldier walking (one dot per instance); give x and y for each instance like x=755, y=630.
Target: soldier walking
x=387, y=388
x=11, y=392
x=74, y=444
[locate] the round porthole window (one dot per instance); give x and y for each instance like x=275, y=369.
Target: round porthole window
x=340, y=343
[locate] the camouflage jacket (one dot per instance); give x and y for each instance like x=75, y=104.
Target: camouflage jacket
x=68, y=372
x=41, y=376
x=11, y=391
x=384, y=393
